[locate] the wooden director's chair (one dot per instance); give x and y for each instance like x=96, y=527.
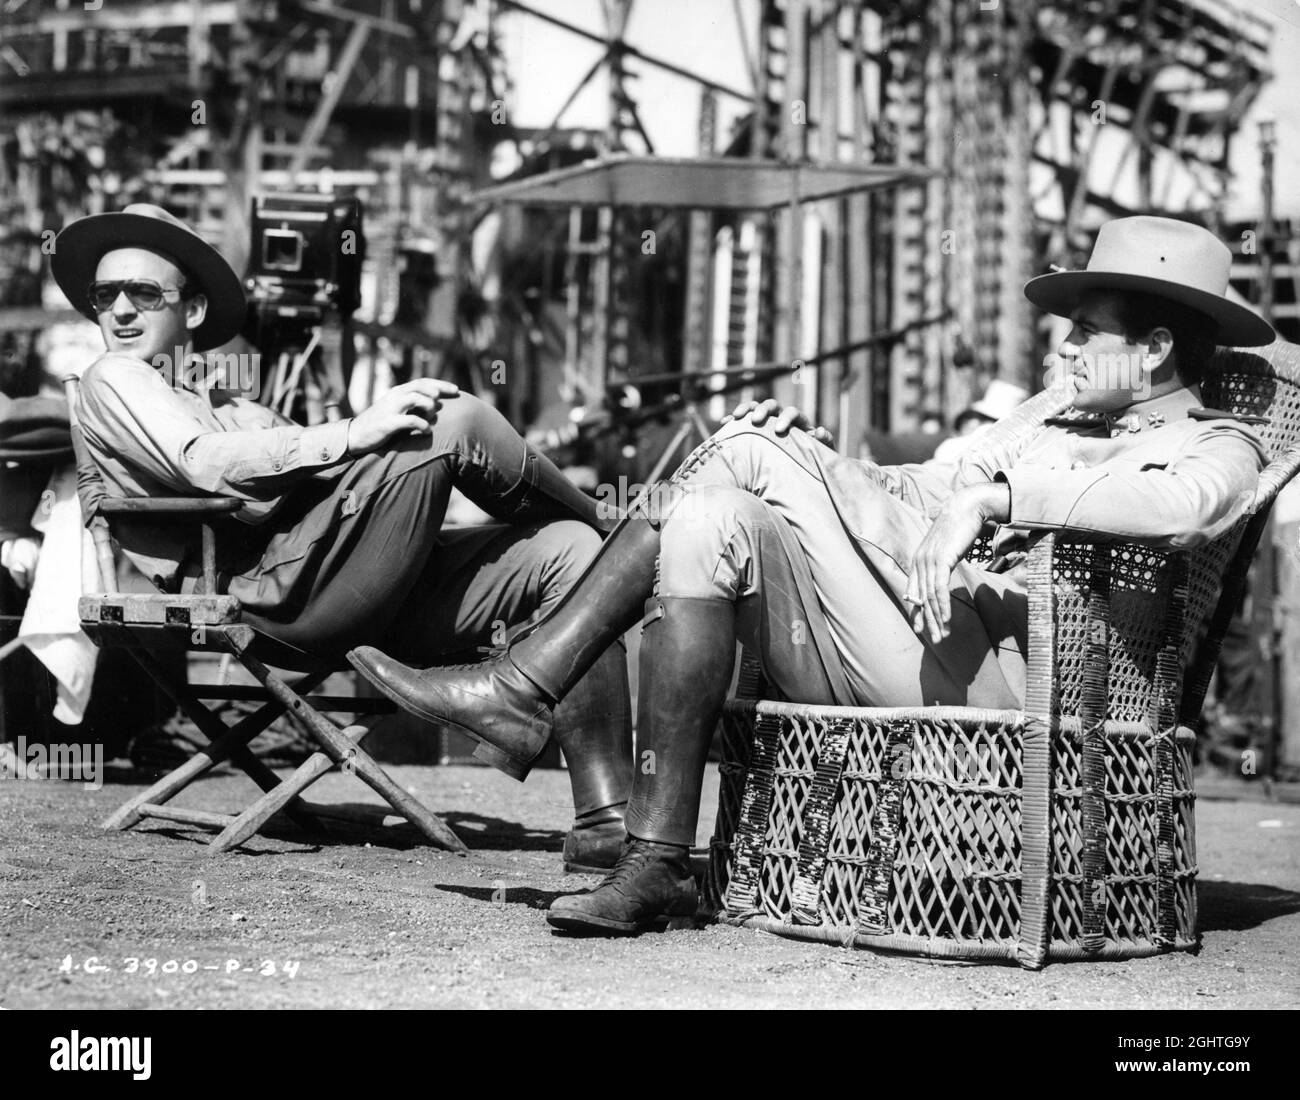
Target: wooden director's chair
x=149, y=625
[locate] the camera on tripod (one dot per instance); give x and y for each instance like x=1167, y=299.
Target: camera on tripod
x=305, y=264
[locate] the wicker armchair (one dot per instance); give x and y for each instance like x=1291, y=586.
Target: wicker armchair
x=1063, y=831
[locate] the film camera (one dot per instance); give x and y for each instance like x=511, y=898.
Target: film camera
x=305, y=265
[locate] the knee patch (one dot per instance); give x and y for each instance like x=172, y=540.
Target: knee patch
x=704, y=552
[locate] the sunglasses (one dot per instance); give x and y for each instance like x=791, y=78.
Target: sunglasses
x=141, y=293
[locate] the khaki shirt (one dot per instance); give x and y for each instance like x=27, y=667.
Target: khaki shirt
x=1165, y=472
x=149, y=439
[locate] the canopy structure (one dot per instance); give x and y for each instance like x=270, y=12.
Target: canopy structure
x=717, y=183
x=709, y=183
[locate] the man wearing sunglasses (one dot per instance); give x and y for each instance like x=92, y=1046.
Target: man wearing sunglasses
x=339, y=540
x=141, y=293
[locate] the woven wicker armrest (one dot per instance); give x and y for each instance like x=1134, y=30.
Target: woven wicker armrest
x=1116, y=618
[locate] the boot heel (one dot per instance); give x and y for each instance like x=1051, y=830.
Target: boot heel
x=511, y=765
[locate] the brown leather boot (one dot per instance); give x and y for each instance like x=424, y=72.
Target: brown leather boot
x=593, y=725
x=542, y=492
x=592, y=845
x=652, y=885
x=687, y=654
x=506, y=477
x=506, y=704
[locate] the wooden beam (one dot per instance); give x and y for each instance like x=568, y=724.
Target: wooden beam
x=184, y=816
x=80, y=88
x=359, y=18
x=147, y=17
x=270, y=178
x=325, y=108
x=288, y=148
x=1075, y=204
x=828, y=406
x=751, y=61
x=629, y=51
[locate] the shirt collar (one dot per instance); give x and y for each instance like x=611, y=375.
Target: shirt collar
x=1172, y=406
x=1151, y=412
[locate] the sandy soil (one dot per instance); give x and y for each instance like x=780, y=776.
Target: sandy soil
x=372, y=918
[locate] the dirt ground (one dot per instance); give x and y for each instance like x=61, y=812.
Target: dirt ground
x=373, y=918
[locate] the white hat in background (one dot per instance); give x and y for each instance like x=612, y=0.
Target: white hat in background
x=999, y=399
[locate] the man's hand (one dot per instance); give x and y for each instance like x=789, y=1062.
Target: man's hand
x=410, y=408
x=20, y=556
x=953, y=532
x=758, y=412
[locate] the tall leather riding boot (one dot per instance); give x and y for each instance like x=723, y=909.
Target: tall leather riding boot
x=593, y=725
x=688, y=649
x=511, y=480
x=506, y=703
x=543, y=492
x=687, y=653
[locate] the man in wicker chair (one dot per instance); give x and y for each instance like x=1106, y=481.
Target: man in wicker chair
x=341, y=538
x=847, y=579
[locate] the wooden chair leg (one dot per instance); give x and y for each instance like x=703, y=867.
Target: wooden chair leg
x=222, y=747
x=260, y=812
x=217, y=732
x=350, y=755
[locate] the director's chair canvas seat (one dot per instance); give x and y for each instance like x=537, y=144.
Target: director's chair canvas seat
x=154, y=624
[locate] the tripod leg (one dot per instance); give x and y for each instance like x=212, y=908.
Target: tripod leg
x=681, y=436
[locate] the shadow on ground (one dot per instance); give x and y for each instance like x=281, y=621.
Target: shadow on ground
x=1237, y=906
x=501, y=896
x=481, y=831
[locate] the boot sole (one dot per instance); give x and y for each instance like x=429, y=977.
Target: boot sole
x=603, y=926
x=489, y=754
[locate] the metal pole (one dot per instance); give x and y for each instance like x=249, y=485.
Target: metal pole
x=1264, y=597
x=315, y=129
x=1267, y=144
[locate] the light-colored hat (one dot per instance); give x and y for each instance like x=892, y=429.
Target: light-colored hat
x=82, y=244
x=999, y=399
x=1172, y=259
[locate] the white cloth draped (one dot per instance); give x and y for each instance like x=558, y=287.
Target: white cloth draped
x=51, y=627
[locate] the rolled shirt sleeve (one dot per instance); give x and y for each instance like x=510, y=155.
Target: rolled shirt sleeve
x=127, y=411
x=1190, y=500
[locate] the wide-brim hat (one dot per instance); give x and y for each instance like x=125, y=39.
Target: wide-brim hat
x=1172, y=259
x=82, y=244
x=20, y=494
x=34, y=431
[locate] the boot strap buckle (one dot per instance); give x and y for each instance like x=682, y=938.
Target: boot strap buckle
x=654, y=610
